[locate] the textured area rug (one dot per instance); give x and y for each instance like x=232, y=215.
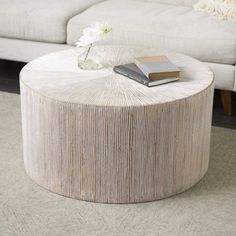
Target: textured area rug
x=26, y=209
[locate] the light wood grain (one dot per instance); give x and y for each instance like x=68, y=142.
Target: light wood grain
x=104, y=138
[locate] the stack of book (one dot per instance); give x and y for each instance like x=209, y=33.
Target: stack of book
x=150, y=71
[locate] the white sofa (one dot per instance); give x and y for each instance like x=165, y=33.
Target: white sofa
x=29, y=29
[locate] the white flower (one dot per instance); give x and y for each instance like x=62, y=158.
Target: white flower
x=94, y=33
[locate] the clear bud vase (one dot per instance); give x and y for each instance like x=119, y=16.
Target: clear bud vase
x=87, y=59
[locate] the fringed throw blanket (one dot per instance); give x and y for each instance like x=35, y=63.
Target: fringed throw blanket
x=223, y=9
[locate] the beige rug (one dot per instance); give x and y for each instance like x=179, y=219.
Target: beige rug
x=28, y=210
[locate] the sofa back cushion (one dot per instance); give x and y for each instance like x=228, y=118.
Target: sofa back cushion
x=174, y=2
x=156, y=25
x=41, y=21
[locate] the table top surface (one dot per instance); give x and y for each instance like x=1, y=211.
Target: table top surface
x=57, y=76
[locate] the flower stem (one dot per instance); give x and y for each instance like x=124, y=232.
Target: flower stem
x=86, y=56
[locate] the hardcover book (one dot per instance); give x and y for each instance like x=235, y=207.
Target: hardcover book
x=133, y=72
x=157, y=67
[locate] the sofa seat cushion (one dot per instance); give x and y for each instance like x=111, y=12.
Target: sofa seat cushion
x=39, y=20
x=172, y=27
x=174, y=2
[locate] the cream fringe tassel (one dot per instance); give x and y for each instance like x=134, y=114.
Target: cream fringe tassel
x=223, y=9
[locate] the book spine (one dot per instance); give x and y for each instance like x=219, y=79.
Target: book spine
x=144, y=82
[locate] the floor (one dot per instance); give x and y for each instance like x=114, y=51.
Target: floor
x=9, y=82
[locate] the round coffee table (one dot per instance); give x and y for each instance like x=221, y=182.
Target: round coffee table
x=99, y=136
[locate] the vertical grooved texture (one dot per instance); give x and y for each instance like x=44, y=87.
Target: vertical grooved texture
x=116, y=155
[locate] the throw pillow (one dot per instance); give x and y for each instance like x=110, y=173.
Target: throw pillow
x=223, y=9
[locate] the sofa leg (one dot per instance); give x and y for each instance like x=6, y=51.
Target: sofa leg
x=226, y=102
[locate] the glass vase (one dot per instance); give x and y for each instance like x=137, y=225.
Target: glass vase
x=87, y=59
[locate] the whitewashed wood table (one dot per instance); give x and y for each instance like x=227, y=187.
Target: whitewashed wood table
x=101, y=137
